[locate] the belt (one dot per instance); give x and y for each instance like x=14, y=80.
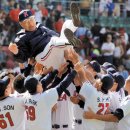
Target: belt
x=78, y=121
x=56, y=126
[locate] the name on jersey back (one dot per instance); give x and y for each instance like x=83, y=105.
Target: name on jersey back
x=7, y=107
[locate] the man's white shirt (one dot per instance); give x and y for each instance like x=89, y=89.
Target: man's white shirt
x=64, y=112
x=99, y=103
x=124, y=123
x=12, y=114
x=38, y=109
x=115, y=100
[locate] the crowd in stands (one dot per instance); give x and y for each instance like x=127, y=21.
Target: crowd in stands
x=104, y=44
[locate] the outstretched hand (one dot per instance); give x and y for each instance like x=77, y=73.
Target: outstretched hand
x=74, y=99
x=13, y=48
x=45, y=70
x=38, y=68
x=62, y=69
x=31, y=61
x=72, y=55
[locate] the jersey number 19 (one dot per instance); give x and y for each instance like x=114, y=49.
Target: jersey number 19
x=30, y=111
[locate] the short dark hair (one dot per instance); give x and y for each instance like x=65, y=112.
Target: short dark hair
x=120, y=80
x=3, y=85
x=19, y=84
x=107, y=83
x=30, y=83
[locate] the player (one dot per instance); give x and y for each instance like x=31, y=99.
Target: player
x=62, y=117
x=37, y=41
x=39, y=105
x=95, y=96
x=121, y=114
x=116, y=96
x=77, y=110
x=12, y=110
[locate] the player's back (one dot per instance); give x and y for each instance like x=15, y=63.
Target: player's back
x=12, y=114
x=63, y=115
x=116, y=98
x=124, y=123
x=98, y=102
x=38, y=109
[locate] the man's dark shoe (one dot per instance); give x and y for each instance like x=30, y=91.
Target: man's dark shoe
x=74, y=41
x=75, y=14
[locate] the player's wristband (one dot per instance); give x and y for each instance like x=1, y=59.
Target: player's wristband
x=119, y=113
x=78, y=63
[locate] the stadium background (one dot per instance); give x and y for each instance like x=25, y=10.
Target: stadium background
x=99, y=18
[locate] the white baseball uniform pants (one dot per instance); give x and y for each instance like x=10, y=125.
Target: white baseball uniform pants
x=53, y=54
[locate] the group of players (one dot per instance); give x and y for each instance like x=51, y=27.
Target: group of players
x=70, y=95
x=75, y=96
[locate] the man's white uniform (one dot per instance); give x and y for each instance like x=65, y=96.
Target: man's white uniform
x=55, y=48
x=124, y=123
x=115, y=100
x=63, y=116
x=99, y=103
x=38, y=109
x=12, y=114
x=78, y=116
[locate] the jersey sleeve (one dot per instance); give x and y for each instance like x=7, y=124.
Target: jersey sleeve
x=87, y=90
x=51, y=97
x=126, y=107
x=23, y=50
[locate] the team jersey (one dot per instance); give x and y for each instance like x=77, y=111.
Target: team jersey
x=115, y=100
x=64, y=112
x=12, y=114
x=124, y=123
x=78, y=116
x=38, y=109
x=99, y=103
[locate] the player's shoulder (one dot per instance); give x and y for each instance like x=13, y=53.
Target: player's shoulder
x=22, y=31
x=126, y=100
x=11, y=99
x=19, y=35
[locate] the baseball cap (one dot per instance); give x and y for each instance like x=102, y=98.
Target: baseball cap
x=3, y=85
x=111, y=71
x=24, y=14
x=3, y=74
x=6, y=73
x=119, y=79
x=107, y=65
x=95, y=65
x=107, y=83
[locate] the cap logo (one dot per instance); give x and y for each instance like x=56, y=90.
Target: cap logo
x=25, y=14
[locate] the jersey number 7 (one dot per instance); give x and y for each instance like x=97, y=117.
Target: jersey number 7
x=3, y=123
x=30, y=111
